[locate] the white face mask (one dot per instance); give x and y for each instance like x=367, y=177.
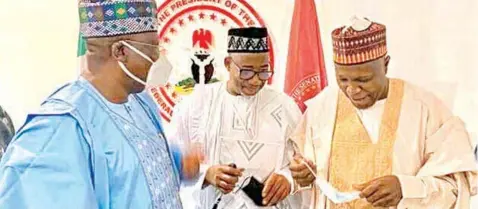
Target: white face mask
x=329, y=191
x=158, y=74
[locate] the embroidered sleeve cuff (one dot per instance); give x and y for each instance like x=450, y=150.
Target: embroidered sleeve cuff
x=286, y=173
x=412, y=187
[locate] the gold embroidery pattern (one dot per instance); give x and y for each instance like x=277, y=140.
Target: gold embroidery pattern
x=354, y=159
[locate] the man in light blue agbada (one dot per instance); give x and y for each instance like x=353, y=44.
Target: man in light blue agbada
x=97, y=143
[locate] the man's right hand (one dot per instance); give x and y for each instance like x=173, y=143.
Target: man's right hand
x=223, y=177
x=301, y=174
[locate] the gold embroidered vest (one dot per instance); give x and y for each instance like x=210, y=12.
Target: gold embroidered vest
x=354, y=159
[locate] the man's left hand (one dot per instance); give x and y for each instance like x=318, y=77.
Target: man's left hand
x=381, y=192
x=276, y=189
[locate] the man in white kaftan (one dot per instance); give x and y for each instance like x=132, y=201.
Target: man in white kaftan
x=394, y=142
x=241, y=122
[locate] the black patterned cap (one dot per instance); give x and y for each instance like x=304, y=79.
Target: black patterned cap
x=247, y=40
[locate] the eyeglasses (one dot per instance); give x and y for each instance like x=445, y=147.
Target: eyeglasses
x=247, y=74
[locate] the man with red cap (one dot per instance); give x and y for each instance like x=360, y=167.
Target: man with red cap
x=391, y=142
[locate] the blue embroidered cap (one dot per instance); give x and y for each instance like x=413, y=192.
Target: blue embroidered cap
x=106, y=18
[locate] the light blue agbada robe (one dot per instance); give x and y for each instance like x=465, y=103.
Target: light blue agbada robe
x=81, y=151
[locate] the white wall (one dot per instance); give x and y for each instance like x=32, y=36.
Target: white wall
x=37, y=52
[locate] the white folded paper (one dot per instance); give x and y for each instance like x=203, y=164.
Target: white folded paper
x=332, y=193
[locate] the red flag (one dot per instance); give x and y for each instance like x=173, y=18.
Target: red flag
x=305, y=72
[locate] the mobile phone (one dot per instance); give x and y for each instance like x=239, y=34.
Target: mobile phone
x=254, y=191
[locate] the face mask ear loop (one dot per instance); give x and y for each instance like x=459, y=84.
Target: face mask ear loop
x=123, y=67
x=137, y=51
